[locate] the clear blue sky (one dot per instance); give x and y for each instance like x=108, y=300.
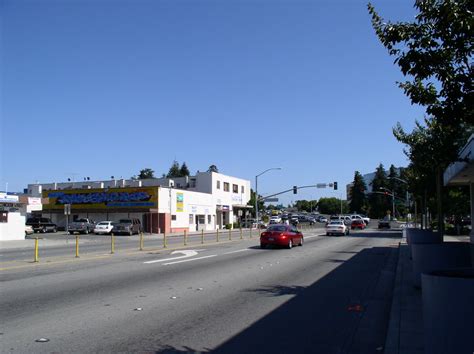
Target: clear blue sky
x=101, y=88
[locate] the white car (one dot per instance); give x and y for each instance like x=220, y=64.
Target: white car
x=337, y=227
x=275, y=219
x=360, y=217
x=103, y=227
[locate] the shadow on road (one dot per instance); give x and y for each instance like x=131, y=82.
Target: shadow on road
x=346, y=311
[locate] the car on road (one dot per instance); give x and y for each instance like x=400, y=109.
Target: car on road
x=384, y=223
x=103, y=228
x=322, y=219
x=81, y=226
x=365, y=219
x=281, y=235
x=337, y=227
x=358, y=224
x=275, y=219
x=42, y=224
x=127, y=226
x=29, y=230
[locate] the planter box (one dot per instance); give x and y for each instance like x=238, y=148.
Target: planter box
x=431, y=257
x=448, y=311
x=422, y=236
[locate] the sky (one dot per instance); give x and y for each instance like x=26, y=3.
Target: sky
x=101, y=88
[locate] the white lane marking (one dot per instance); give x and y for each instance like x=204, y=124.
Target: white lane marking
x=243, y=250
x=186, y=254
x=192, y=259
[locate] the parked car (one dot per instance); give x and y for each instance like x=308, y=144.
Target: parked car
x=29, y=230
x=281, y=235
x=103, y=227
x=127, y=226
x=82, y=226
x=358, y=224
x=337, y=227
x=42, y=224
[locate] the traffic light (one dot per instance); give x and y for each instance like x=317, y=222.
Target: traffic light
x=335, y=186
x=295, y=189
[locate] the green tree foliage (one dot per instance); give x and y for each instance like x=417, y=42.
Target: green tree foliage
x=306, y=205
x=358, y=190
x=332, y=206
x=379, y=203
x=251, y=202
x=213, y=168
x=144, y=174
x=174, y=170
x=184, y=171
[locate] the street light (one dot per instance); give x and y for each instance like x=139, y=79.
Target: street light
x=256, y=190
x=393, y=199
x=407, y=203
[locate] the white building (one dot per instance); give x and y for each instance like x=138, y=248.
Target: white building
x=12, y=218
x=206, y=201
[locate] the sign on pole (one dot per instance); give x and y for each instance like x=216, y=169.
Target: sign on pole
x=270, y=200
x=67, y=209
x=321, y=185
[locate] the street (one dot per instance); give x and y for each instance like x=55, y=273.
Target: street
x=332, y=295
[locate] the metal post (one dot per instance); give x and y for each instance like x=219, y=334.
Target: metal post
x=36, y=259
x=217, y=236
x=164, y=239
x=230, y=234
x=77, y=246
x=112, y=243
x=241, y=233
x=251, y=227
x=202, y=236
x=393, y=204
x=185, y=238
x=141, y=241
x=256, y=198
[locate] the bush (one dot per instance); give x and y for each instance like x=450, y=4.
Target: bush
x=228, y=226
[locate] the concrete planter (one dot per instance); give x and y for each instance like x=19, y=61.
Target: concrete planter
x=448, y=311
x=435, y=256
x=422, y=236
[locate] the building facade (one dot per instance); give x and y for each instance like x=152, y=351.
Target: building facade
x=206, y=201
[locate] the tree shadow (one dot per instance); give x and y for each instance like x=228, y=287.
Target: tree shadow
x=278, y=290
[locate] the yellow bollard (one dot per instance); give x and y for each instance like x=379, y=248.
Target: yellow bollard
x=241, y=237
x=185, y=233
x=230, y=234
x=112, y=243
x=202, y=236
x=217, y=236
x=36, y=260
x=77, y=246
x=164, y=239
x=141, y=241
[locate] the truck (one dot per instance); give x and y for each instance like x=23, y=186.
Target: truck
x=40, y=224
x=82, y=226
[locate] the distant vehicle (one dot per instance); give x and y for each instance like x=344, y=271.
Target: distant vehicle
x=358, y=224
x=82, y=226
x=29, y=230
x=360, y=217
x=275, y=219
x=384, y=223
x=337, y=227
x=344, y=218
x=294, y=220
x=127, y=226
x=103, y=227
x=281, y=235
x=42, y=224
x=322, y=219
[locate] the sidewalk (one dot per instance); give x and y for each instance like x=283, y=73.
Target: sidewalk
x=405, y=331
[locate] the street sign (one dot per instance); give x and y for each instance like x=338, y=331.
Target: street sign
x=330, y=185
x=270, y=200
x=321, y=185
x=67, y=209
x=239, y=212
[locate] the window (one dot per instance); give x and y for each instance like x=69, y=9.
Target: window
x=208, y=219
x=218, y=184
x=226, y=186
x=201, y=219
x=242, y=189
x=235, y=188
x=173, y=217
x=3, y=216
x=191, y=219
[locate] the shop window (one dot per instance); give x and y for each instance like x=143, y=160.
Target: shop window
x=235, y=188
x=218, y=184
x=3, y=216
x=191, y=218
x=208, y=219
x=201, y=219
x=173, y=217
x=226, y=186
x=242, y=189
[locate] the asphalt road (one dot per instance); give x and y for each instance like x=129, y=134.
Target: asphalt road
x=332, y=295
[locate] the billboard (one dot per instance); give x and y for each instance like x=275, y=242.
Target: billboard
x=100, y=198
x=179, y=202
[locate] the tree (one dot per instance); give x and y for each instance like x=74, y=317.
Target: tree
x=251, y=202
x=213, y=168
x=144, y=174
x=306, y=205
x=379, y=200
x=174, y=170
x=184, y=171
x=358, y=190
x=332, y=206
x=436, y=52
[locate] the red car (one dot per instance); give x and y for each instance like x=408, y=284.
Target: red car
x=358, y=224
x=281, y=235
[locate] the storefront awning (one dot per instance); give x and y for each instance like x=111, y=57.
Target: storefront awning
x=462, y=172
